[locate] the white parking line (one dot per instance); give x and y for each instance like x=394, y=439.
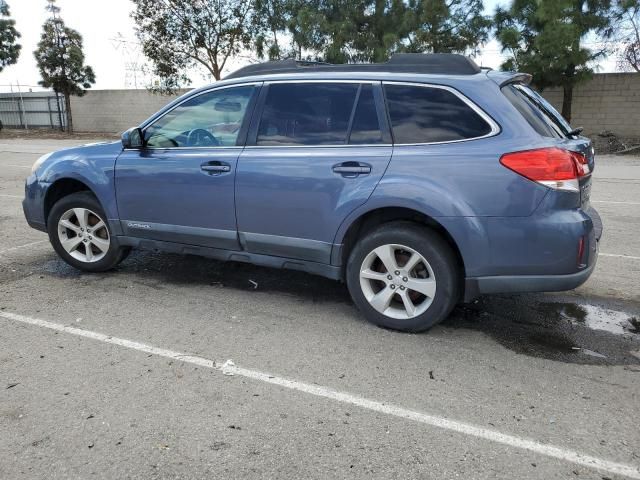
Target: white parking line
x=615, y=203
x=230, y=368
x=22, y=246
x=11, y=196
x=16, y=166
x=616, y=255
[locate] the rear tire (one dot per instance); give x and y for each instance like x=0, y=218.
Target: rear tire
x=79, y=233
x=403, y=276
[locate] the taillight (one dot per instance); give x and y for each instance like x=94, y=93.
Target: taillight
x=553, y=167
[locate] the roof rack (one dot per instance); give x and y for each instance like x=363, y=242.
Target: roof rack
x=421, y=63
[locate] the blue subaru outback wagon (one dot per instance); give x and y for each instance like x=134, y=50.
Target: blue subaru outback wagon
x=421, y=182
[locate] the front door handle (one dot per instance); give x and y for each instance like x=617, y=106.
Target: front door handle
x=352, y=169
x=215, y=168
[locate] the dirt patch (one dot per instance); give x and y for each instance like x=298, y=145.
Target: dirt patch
x=43, y=133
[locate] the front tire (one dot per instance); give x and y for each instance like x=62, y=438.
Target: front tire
x=80, y=235
x=403, y=276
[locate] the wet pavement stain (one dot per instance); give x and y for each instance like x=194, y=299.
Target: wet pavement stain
x=531, y=325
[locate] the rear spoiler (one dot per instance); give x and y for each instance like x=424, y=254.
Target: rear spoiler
x=507, y=78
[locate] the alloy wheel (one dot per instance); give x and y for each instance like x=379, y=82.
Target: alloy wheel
x=83, y=235
x=397, y=281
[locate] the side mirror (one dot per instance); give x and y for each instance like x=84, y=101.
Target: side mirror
x=132, y=138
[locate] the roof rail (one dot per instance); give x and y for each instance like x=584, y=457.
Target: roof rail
x=421, y=63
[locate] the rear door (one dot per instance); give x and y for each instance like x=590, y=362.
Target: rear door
x=315, y=152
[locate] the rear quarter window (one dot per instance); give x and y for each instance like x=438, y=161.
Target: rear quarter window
x=423, y=114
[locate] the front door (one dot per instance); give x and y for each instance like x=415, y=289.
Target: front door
x=180, y=186
x=316, y=151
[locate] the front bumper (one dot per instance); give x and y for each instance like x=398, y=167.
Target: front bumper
x=33, y=203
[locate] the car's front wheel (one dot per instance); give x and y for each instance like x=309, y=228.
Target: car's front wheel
x=403, y=276
x=80, y=234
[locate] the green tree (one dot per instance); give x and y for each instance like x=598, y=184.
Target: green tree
x=546, y=39
x=448, y=26
x=273, y=24
x=627, y=34
x=9, y=47
x=342, y=31
x=60, y=60
x=177, y=35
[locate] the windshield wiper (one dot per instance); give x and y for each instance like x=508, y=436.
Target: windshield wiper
x=575, y=132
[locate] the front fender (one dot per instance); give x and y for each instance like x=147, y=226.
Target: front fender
x=92, y=165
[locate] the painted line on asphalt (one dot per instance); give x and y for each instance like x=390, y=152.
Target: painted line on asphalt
x=22, y=246
x=16, y=166
x=615, y=203
x=229, y=368
x=616, y=255
x=11, y=196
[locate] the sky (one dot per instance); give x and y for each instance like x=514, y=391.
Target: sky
x=111, y=48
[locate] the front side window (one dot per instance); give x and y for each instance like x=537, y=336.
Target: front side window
x=307, y=114
x=212, y=119
x=431, y=115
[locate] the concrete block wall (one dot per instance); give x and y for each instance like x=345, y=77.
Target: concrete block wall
x=114, y=111
x=609, y=101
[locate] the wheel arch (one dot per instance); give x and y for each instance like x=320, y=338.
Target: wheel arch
x=61, y=188
x=373, y=218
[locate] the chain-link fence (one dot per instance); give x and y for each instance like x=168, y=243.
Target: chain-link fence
x=32, y=110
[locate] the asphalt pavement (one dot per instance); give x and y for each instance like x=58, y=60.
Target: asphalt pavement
x=183, y=367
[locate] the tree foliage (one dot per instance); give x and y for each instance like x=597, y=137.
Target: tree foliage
x=9, y=46
x=446, y=26
x=545, y=38
x=341, y=31
x=628, y=34
x=60, y=60
x=177, y=35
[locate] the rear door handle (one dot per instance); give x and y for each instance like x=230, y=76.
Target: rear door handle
x=215, y=168
x=352, y=169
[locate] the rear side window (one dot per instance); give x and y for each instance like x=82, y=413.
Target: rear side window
x=539, y=113
x=430, y=115
x=307, y=114
x=366, y=125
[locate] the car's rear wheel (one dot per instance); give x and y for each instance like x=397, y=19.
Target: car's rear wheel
x=79, y=232
x=403, y=276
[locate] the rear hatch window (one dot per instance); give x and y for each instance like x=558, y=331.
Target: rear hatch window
x=537, y=111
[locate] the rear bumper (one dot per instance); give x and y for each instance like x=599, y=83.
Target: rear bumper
x=476, y=286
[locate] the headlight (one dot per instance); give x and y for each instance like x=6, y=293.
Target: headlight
x=39, y=162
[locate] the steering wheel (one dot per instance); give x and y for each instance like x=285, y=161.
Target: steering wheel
x=199, y=137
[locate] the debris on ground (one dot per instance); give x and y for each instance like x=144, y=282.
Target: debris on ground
x=608, y=142
x=225, y=366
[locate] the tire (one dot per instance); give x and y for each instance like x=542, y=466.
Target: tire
x=65, y=223
x=432, y=285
